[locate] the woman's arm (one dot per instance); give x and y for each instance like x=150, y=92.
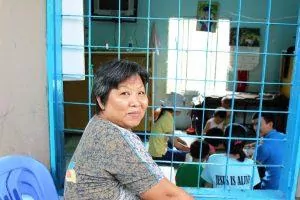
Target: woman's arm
x=165, y=190
x=181, y=145
x=181, y=140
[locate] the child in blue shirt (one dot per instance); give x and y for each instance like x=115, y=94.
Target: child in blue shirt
x=270, y=152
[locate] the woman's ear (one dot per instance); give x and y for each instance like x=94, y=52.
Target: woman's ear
x=100, y=103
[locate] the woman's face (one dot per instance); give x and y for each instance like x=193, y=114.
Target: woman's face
x=126, y=105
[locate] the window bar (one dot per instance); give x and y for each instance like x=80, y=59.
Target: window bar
x=119, y=31
x=90, y=67
x=236, y=51
x=289, y=177
x=263, y=76
x=146, y=117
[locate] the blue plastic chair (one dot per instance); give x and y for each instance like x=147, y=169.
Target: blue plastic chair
x=22, y=176
x=4, y=195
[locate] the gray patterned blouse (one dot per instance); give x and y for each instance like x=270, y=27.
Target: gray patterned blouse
x=109, y=163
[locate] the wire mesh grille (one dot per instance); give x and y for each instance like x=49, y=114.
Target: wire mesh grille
x=206, y=51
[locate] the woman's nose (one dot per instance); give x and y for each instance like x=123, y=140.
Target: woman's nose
x=134, y=100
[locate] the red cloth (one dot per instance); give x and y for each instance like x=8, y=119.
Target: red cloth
x=242, y=76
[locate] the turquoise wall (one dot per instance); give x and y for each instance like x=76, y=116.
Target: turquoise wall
x=280, y=37
x=108, y=31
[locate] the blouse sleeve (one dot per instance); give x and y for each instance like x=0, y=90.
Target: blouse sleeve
x=130, y=163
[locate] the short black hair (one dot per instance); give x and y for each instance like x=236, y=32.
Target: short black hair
x=195, y=149
x=111, y=74
x=216, y=132
x=220, y=112
x=236, y=145
x=268, y=117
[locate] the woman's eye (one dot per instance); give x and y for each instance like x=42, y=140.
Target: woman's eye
x=141, y=93
x=125, y=93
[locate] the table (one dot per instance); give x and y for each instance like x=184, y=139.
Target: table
x=249, y=103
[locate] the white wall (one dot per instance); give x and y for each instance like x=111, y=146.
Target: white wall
x=23, y=86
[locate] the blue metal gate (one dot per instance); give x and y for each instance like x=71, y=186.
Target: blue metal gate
x=57, y=103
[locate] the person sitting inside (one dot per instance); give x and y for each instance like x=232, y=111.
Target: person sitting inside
x=158, y=143
x=188, y=175
x=216, y=144
x=226, y=103
x=240, y=172
x=269, y=152
x=217, y=121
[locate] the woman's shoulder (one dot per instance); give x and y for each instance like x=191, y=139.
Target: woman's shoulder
x=166, y=116
x=111, y=133
x=98, y=125
x=99, y=122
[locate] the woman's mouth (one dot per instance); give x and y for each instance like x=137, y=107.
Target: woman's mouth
x=135, y=114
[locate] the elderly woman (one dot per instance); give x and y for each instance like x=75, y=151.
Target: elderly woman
x=110, y=161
